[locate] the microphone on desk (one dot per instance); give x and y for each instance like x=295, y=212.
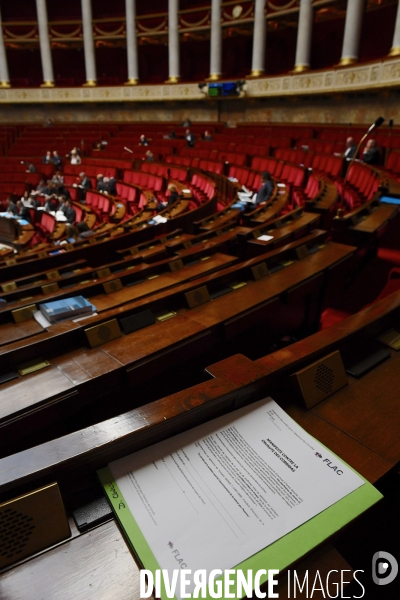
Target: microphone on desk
x=374, y=126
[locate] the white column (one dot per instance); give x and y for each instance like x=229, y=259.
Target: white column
x=173, y=41
x=88, y=44
x=395, y=51
x=4, y=77
x=216, y=41
x=259, y=40
x=44, y=41
x=304, y=33
x=131, y=42
x=352, y=32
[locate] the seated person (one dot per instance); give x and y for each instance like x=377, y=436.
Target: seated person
x=23, y=211
x=143, y=141
x=149, y=156
x=69, y=212
x=47, y=158
x=30, y=202
x=83, y=230
x=190, y=138
x=25, y=198
x=371, y=153
x=248, y=200
x=207, y=137
x=172, y=135
x=84, y=184
x=186, y=122
x=11, y=207
x=75, y=159
x=101, y=186
x=172, y=197
x=41, y=188
x=58, y=181
x=111, y=185
x=51, y=204
x=62, y=204
x=100, y=145
x=31, y=167
x=351, y=148
x=57, y=160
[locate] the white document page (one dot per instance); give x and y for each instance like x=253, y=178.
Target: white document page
x=265, y=238
x=225, y=490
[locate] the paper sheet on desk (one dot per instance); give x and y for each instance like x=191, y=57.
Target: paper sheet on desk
x=265, y=238
x=230, y=487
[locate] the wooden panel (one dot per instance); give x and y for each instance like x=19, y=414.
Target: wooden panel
x=97, y=564
x=368, y=409
x=31, y=390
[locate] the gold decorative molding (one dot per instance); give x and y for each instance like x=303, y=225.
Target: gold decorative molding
x=4, y=84
x=255, y=74
x=301, y=68
x=395, y=51
x=173, y=79
x=383, y=74
x=214, y=77
x=47, y=84
x=132, y=81
x=90, y=83
x=347, y=62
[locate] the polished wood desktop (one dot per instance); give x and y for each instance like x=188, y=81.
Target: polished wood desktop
x=98, y=563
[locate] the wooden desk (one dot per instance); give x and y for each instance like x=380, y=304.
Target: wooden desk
x=139, y=356
x=87, y=565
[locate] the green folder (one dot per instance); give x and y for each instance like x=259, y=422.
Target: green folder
x=278, y=555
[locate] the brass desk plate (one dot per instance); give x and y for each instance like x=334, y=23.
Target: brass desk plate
x=321, y=379
x=390, y=338
x=31, y=523
x=176, y=265
x=302, y=252
x=112, y=286
x=103, y=272
x=24, y=314
x=32, y=366
x=52, y=275
x=260, y=271
x=197, y=297
x=100, y=334
x=50, y=288
x=9, y=287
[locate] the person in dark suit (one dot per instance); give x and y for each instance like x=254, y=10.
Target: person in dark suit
x=57, y=160
x=371, y=154
x=207, y=137
x=23, y=211
x=47, y=158
x=248, y=200
x=186, y=122
x=11, y=207
x=111, y=185
x=69, y=212
x=351, y=148
x=101, y=186
x=143, y=141
x=190, y=138
x=83, y=186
